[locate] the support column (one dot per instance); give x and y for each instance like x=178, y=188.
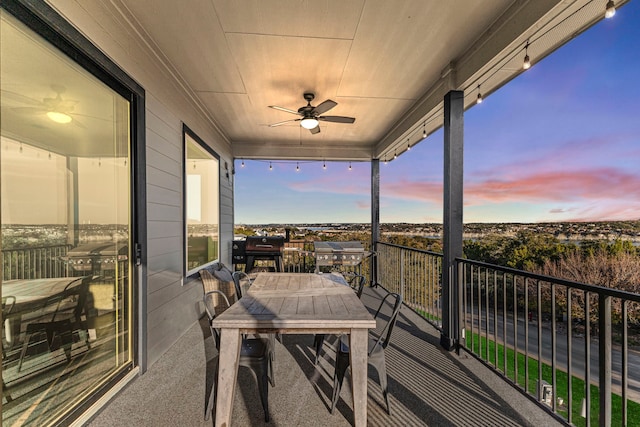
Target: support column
x=452, y=220
x=375, y=218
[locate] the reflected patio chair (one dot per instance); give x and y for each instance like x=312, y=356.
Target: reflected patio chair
x=58, y=317
x=357, y=283
x=255, y=353
x=376, y=345
x=8, y=302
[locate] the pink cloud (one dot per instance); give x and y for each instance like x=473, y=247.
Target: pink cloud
x=594, y=184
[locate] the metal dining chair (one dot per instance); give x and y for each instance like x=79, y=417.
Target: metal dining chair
x=255, y=353
x=356, y=283
x=376, y=345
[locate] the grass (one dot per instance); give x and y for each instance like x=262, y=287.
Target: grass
x=486, y=350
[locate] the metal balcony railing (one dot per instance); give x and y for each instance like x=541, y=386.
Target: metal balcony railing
x=564, y=343
x=416, y=275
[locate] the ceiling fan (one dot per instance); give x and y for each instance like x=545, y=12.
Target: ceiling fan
x=311, y=115
x=57, y=108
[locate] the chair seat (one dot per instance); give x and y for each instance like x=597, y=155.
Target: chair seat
x=254, y=348
x=372, y=348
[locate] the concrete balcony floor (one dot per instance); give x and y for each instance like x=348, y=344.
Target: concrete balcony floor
x=428, y=386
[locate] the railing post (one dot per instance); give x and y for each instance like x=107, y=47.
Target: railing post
x=375, y=218
x=604, y=346
x=452, y=218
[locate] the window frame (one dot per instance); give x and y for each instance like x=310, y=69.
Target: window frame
x=187, y=132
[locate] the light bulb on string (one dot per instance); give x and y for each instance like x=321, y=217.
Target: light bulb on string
x=408, y=145
x=20, y=147
x=349, y=165
x=270, y=167
x=424, y=130
x=395, y=155
x=527, y=62
x=297, y=167
x=479, y=99
x=610, y=9
x=385, y=160
x=242, y=164
x=324, y=165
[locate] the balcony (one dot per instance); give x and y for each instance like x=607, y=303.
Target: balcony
x=428, y=386
x=507, y=316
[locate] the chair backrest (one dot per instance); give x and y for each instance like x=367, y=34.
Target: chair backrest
x=385, y=334
x=242, y=282
x=7, y=305
x=211, y=283
x=212, y=300
x=357, y=284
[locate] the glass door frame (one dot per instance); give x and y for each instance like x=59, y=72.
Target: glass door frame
x=46, y=22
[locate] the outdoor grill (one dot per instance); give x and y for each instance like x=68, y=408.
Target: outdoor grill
x=268, y=248
x=338, y=254
x=98, y=259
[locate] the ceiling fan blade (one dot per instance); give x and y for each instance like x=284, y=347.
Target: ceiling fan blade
x=324, y=106
x=286, y=110
x=283, y=122
x=337, y=119
x=18, y=98
x=315, y=130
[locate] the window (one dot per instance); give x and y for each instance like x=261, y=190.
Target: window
x=66, y=229
x=201, y=203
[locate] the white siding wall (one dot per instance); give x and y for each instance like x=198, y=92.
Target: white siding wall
x=172, y=306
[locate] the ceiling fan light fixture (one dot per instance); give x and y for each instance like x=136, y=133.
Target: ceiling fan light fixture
x=309, y=123
x=59, y=117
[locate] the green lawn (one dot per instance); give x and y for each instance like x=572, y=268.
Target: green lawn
x=578, y=386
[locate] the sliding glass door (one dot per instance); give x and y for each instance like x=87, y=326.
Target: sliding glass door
x=66, y=229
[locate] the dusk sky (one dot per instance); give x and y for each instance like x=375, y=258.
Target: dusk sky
x=561, y=142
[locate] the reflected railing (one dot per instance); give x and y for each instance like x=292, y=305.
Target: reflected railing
x=35, y=262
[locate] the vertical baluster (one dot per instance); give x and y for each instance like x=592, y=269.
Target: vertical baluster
x=604, y=368
x=553, y=347
x=495, y=319
x=569, y=358
x=587, y=356
x=539, y=297
x=504, y=323
x=515, y=329
x=486, y=313
x=526, y=335
x=625, y=361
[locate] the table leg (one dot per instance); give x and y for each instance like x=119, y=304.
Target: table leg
x=230, y=341
x=358, y=355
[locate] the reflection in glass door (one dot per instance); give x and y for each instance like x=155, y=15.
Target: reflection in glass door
x=65, y=237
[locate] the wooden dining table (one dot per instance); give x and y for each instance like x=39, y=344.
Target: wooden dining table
x=294, y=303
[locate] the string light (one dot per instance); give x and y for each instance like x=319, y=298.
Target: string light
x=610, y=9
x=297, y=167
x=385, y=160
x=479, y=100
x=21, y=147
x=408, y=145
x=349, y=165
x=424, y=130
x=527, y=63
x=270, y=166
x=242, y=165
x=395, y=156
x=49, y=155
x=324, y=165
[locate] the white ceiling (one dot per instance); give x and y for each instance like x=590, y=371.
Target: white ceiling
x=388, y=63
